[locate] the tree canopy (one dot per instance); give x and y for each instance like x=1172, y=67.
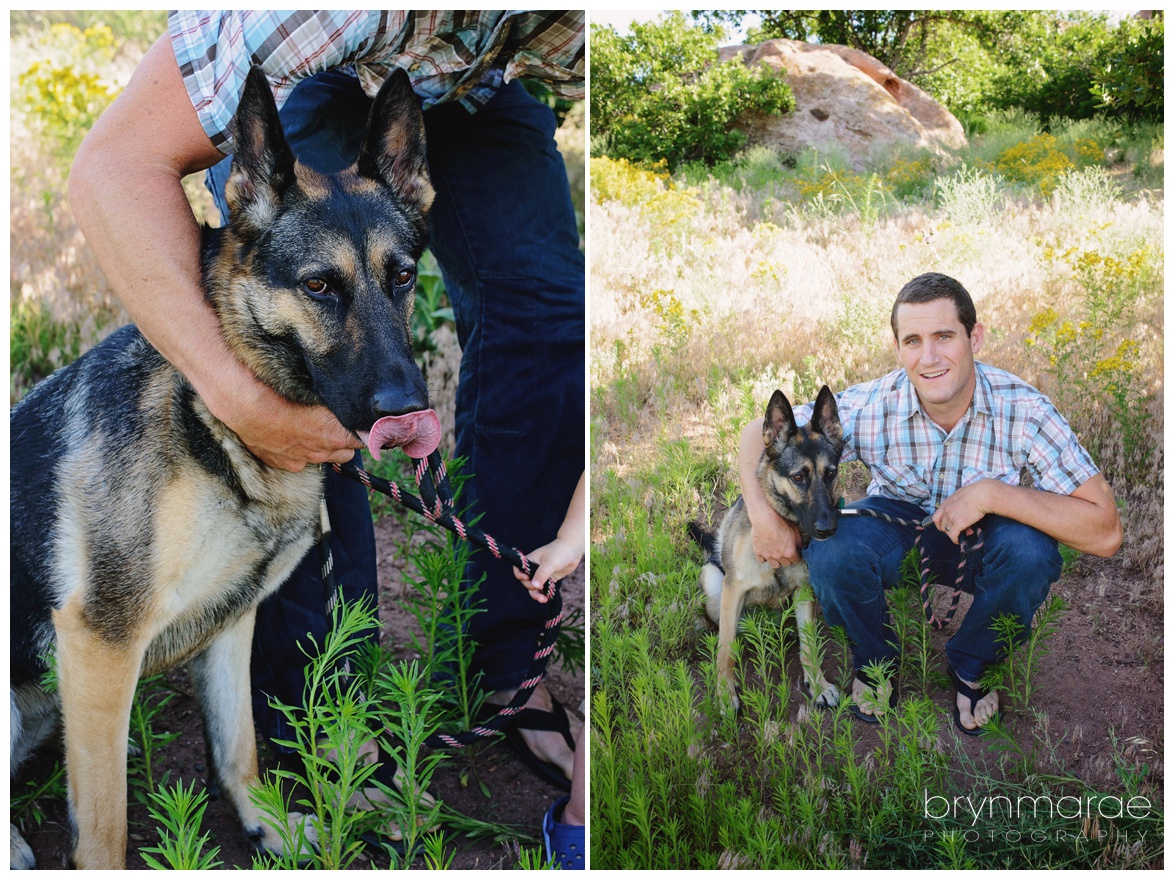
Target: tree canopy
x=1052, y=63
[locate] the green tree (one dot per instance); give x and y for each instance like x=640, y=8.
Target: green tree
x=661, y=94
x=1043, y=61
x=901, y=39
x=1047, y=61
x=1129, y=80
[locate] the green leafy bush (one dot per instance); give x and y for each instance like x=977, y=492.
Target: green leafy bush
x=660, y=94
x=1130, y=79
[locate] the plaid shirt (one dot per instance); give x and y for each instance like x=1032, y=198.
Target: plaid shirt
x=449, y=56
x=1009, y=427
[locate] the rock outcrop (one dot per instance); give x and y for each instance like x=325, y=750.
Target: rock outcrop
x=849, y=102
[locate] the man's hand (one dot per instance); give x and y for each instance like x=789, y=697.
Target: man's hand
x=964, y=508
x=282, y=434
x=775, y=541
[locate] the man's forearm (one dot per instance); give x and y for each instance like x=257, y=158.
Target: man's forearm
x=126, y=193
x=1087, y=520
x=749, y=453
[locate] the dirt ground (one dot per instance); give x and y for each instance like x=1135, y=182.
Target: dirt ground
x=517, y=798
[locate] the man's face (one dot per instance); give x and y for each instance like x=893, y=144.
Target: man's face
x=938, y=357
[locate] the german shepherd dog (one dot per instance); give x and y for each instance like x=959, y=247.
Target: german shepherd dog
x=144, y=533
x=797, y=472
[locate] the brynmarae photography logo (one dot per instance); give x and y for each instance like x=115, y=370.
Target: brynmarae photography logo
x=1027, y=817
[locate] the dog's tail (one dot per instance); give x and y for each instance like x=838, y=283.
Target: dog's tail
x=712, y=573
x=702, y=536
x=707, y=541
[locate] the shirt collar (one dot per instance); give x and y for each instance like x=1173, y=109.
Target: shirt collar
x=908, y=404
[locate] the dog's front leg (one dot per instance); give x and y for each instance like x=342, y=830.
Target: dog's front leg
x=221, y=677
x=96, y=678
x=733, y=598
x=826, y=694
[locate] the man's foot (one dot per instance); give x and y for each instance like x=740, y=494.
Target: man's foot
x=547, y=746
x=975, y=706
x=868, y=701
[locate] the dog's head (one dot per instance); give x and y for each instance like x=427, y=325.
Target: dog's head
x=314, y=278
x=800, y=464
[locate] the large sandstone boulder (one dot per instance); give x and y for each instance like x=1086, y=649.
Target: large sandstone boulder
x=849, y=102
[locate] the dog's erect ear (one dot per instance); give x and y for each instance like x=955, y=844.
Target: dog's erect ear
x=779, y=426
x=263, y=164
x=825, y=417
x=393, y=149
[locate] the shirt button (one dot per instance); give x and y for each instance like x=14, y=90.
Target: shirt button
x=414, y=67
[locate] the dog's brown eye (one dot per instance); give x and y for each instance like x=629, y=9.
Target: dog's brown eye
x=799, y=478
x=404, y=278
x=316, y=287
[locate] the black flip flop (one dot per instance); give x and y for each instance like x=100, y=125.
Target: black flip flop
x=537, y=719
x=972, y=694
x=860, y=713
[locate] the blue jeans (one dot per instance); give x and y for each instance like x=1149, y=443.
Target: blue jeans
x=851, y=570
x=503, y=231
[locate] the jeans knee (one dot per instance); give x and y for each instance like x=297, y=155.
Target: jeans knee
x=1011, y=543
x=1023, y=558
x=843, y=569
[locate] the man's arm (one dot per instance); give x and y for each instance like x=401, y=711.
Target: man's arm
x=126, y=193
x=1087, y=520
x=774, y=539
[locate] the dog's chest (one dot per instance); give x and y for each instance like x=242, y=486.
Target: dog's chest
x=773, y=586
x=216, y=557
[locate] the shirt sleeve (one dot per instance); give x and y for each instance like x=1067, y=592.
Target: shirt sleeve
x=449, y=56
x=216, y=49
x=1057, y=460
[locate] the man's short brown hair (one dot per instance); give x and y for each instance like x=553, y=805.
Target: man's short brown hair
x=934, y=286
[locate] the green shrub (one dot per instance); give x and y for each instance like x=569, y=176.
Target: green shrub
x=660, y=94
x=1130, y=79
x=1043, y=160
x=64, y=98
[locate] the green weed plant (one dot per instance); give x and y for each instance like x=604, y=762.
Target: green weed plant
x=179, y=811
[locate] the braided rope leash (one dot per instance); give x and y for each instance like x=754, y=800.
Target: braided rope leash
x=966, y=548
x=435, y=504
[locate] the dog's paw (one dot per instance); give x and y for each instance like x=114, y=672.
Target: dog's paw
x=21, y=857
x=826, y=695
x=730, y=704
x=301, y=834
x=829, y=696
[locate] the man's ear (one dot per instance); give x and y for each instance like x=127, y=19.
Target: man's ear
x=977, y=335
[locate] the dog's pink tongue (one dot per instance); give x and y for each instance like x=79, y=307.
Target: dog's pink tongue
x=417, y=432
